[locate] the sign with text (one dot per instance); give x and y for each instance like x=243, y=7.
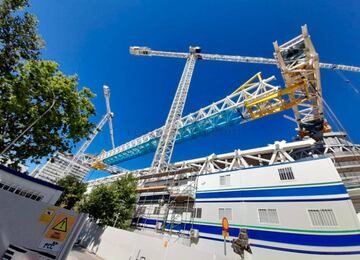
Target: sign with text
x=51, y=245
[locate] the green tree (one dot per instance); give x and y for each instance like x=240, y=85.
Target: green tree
x=73, y=191
x=19, y=40
x=35, y=91
x=111, y=205
x=100, y=205
x=125, y=194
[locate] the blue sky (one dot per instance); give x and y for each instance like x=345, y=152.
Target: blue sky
x=91, y=38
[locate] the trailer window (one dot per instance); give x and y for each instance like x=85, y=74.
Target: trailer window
x=156, y=211
x=196, y=213
x=225, y=180
x=225, y=212
x=322, y=217
x=286, y=174
x=268, y=216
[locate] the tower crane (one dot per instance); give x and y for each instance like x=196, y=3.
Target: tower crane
x=299, y=65
x=109, y=113
x=80, y=154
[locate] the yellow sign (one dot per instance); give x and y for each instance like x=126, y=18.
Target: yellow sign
x=60, y=227
x=225, y=227
x=47, y=215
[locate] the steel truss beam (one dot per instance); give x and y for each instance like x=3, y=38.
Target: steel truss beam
x=278, y=152
x=239, y=107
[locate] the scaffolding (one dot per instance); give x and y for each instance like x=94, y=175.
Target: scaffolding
x=169, y=199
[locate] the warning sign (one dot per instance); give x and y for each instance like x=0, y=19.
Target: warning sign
x=60, y=227
x=47, y=215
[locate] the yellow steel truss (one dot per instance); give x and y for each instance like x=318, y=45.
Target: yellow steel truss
x=276, y=101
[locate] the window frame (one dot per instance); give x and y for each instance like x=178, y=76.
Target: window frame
x=268, y=216
x=228, y=216
x=195, y=213
x=157, y=210
x=227, y=180
x=286, y=174
x=334, y=219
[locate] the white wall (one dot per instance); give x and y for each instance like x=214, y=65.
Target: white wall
x=114, y=244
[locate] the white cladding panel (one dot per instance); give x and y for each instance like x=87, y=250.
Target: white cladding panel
x=305, y=172
x=246, y=213
x=290, y=214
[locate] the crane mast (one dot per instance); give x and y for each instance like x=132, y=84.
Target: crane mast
x=167, y=140
x=299, y=66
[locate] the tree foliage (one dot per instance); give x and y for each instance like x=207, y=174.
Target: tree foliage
x=100, y=205
x=32, y=89
x=19, y=40
x=125, y=190
x=111, y=205
x=73, y=191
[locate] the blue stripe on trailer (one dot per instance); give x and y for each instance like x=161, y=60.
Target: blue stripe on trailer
x=305, y=251
x=305, y=239
x=282, y=192
x=272, y=236
x=285, y=200
x=312, y=252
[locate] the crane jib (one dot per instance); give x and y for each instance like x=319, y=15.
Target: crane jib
x=145, y=51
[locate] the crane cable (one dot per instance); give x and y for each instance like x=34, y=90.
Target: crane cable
x=347, y=81
x=328, y=109
x=333, y=117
